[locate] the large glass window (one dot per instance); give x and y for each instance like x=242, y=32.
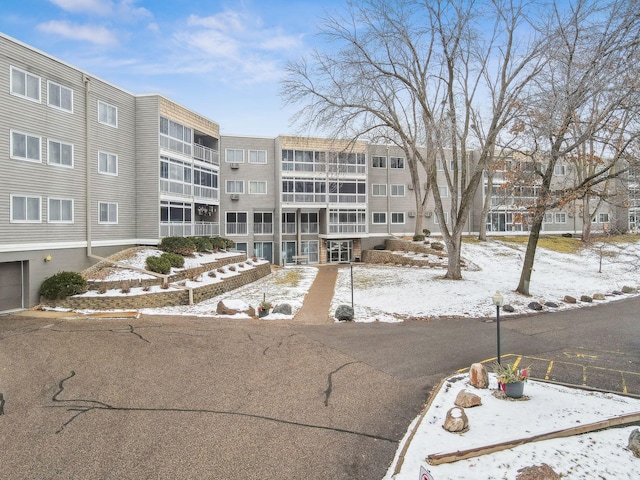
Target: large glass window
x=397, y=217
x=235, y=186
x=379, y=190
x=107, y=114
x=175, y=212
x=379, y=218
x=107, y=163
x=175, y=176
x=309, y=222
x=59, y=153
x=348, y=221
x=205, y=182
x=262, y=223
x=107, y=212
x=348, y=192
x=257, y=187
x=379, y=162
x=25, y=84
x=60, y=210
x=288, y=222
x=397, y=190
x=60, y=97
x=310, y=249
x=234, y=155
x=25, y=209
x=257, y=156
x=25, y=146
x=236, y=223
x=396, y=162
x=175, y=136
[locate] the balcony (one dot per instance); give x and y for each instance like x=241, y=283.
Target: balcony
x=347, y=228
x=188, y=229
x=206, y=154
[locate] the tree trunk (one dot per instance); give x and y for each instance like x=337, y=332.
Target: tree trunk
x=530, y=254
x=453, y=243
x=482, y=235
x=586, y=220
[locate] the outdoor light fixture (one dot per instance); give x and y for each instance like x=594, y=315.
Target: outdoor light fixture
x=48, y=258
x=498, y=301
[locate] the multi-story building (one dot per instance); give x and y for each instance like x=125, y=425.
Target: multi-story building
x=90, y=169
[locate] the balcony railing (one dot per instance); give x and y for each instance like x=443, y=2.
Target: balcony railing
x=347, y=228
x=263, y=228
x=188, y=229
x=206, y=154
x=205, y=192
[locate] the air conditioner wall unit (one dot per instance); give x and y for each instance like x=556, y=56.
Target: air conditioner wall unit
x=410, y=186
x=235, y=196
x=235, y=166
x=428, y=214
x=570, y=215
x=412, y=214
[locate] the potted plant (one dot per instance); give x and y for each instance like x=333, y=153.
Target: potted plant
x=264, y=308
x=511, y=379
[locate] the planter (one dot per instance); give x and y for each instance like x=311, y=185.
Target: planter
x=263, y=313
x=514, y=389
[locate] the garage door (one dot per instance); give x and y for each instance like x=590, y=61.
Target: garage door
x=10, y=286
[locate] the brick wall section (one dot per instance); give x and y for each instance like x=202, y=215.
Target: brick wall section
x=149, y=282
x=389, y=257
x=164, y=299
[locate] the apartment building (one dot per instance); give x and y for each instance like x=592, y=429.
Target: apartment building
x=91, y=169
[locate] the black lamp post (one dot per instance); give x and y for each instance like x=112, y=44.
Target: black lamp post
x=498, y=301
x=351, y=265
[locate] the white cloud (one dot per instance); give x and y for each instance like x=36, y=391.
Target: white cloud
x=91, y=33
x=98, y=7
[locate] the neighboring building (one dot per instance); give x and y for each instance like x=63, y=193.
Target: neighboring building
x=91, y=169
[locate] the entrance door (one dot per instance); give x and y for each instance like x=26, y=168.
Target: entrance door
x=11, y=280
x=288, y=251
x=263, y=250
x=339, y=251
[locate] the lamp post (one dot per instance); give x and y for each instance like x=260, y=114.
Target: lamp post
x=498, y=301
x=351, y=265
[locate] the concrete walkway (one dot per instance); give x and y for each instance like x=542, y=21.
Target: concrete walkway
x=317, y=302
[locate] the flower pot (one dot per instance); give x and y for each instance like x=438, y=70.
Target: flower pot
x=263, y=312
x=514, y=389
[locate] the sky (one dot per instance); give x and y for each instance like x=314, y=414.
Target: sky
x=222, y=59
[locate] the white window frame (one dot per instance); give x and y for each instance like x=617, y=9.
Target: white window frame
x=51, y=142
x=110, y=158
x=446, y=218
x=24, y=95
x=397, y=161
x=110, y=206
x=255, y=156
x=560, y=217
x=235, y=151
x=373, y=218
x=396, y=222
x=26, y=219
x=237, y=183
x=107, y=107
x=255, y=183
x=444, y=192
x=50, y=209
x=560, y=169
x=378, y=158
x=26, y=137
x=62, y=89
x=242, y=232
x=548, y=217
x=376, y=189
x=395, y=187
x=603, y=218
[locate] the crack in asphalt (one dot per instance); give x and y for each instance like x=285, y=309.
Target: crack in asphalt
x=95, y=405
x=329, y=390
x=131, y=330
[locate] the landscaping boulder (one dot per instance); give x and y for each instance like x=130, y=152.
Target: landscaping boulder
x=551, y=304
x=599, y=296
x=283, y=308
x=628, y=289
x=570, y=299
x=456, y=420
x=634, y=442
x=616, y=292
x=535, y=306
x=508, y=309
x=344, y=313
x=478, y=376
x=234, y=307
x=467, y=399
x=586, y=298
x=537, y=472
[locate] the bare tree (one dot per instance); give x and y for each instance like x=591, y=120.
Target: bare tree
x=589, y=84
x=436, y=76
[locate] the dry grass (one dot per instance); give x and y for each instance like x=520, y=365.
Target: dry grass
x=289, y=277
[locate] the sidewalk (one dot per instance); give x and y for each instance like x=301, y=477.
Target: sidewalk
x=317, y=302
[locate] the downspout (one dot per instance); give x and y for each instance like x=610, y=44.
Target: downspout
x=87, y=81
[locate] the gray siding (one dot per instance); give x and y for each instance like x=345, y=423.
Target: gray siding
x=148, y=167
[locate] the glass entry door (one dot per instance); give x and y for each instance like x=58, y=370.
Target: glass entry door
x=339, y=251
x=288, y=251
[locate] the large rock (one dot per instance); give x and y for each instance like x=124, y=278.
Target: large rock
x=628, y=289
x=537, y=472
x=234, y=307
x=634, y=442
x=508, y=308
x=599, y=296
x=478, y=376
x=586, y=299
x=456, y=420
x=570, y=299
x=551, y=304
x=344, y=313
x=467, y=399
x=535, y=306
x=283, y=309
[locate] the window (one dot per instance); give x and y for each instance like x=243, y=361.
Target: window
x=446, y=218
x=379, y=190
x=205, y=182
x=234, y=155
x=107, y=114
x=310, y=249
x=107, y=163
x=236, y=223
x=176, y=213
x=380, y=218
x=25, y=209
x=175, y=176
x=561, y=218
x=60, y=210
x=559, y=170
x=444, y=191
x=25, y=85
x=262, y=223
x=603, y=218
x=396, y=162
x=288, y=222
x=25, y=147
x=379, y=162
x=107, y=212
x=257, y=187
x=309, y=222
x=397, y=217
x=59, y=153
x=548, y=218
x=235, y=186
x=397, y=190
x=60, y=97
x=175, y=136
x=257, y=156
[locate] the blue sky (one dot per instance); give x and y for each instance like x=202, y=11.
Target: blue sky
x=223, y=59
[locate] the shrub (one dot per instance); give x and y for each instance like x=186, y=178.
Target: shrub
x=175, y=260
x=158, y=265
x=222, y=243
x=418, y=238
x=437, y=246
x=62, y=285
x=102, y=289
x=179, y=245
x=426, y=232
x=203, y=244
x=379, y=247
x=126, y=288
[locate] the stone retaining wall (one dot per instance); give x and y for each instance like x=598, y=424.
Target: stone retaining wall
x=164, y=298
x=387, y=256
